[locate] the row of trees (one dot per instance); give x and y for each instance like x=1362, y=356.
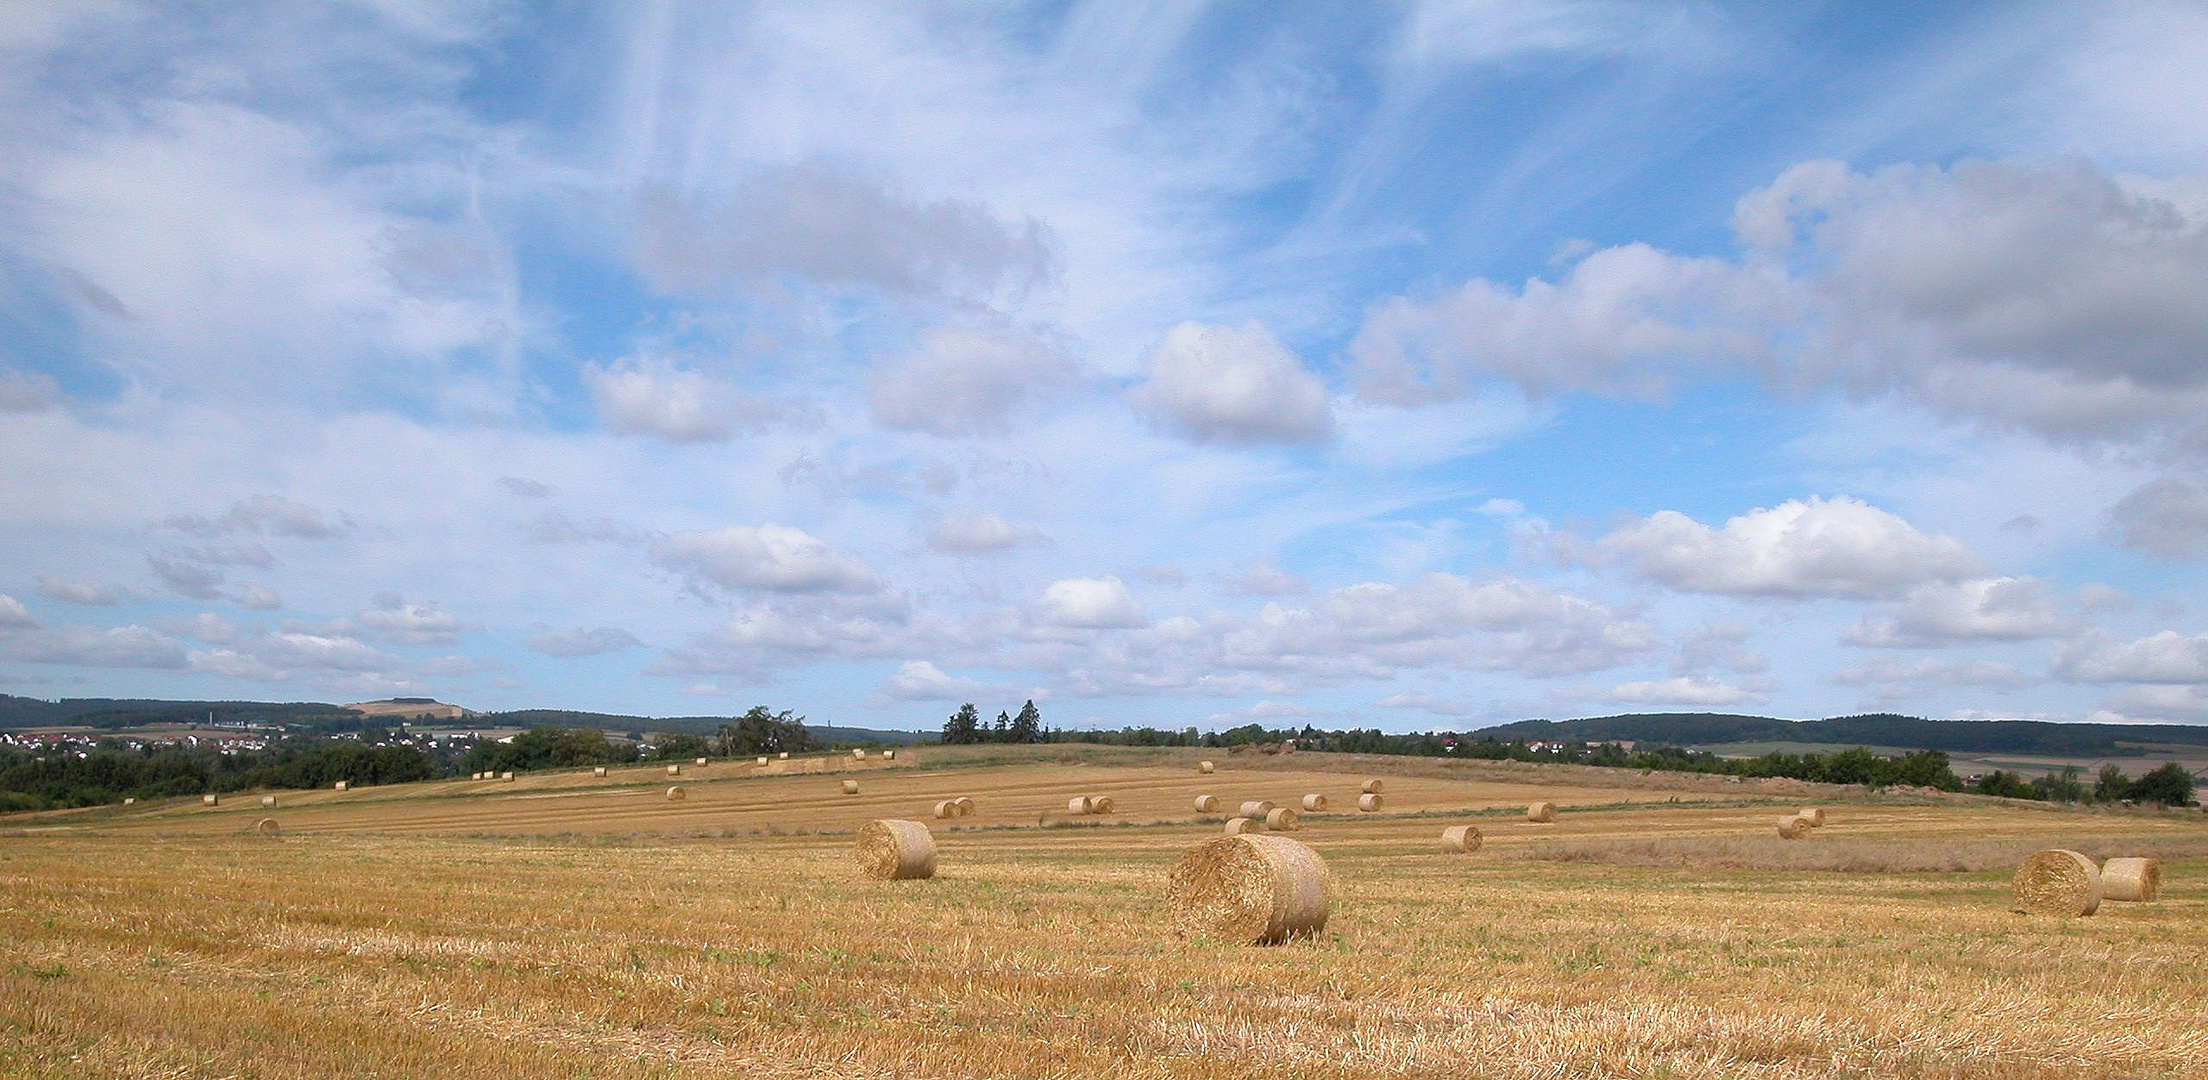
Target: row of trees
x=111, y=771
x=965, y=727
x=2168, y=785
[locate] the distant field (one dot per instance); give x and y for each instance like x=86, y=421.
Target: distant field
x=565, y=926
x=2135, y=760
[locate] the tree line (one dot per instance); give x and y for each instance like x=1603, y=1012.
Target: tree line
x=965, y=727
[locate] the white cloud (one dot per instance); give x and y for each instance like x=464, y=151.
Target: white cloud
x=271, y=514
x=186, y=578
x=2168, y=657
x=1265, y=579
x=1981, y=609
x=761, y=639
x=26, y=392
x=2156, y=705
x=524, y=487
x=772, y=557
x=321, y=652
x=1089, y=603
x=395, y=620
x=1433, y=703
x=13, y=615
x=651, y=396
x=1699, y=690
x=2167, y=518
x=568, y=644
x=1895, y=672
x=966, y=381
x=90, y=593
x=1824, y=547
x=919, y=680
x=84, y=646
x=980, y=534
x=1232, y=385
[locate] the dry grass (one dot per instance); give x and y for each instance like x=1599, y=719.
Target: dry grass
x=521, y=933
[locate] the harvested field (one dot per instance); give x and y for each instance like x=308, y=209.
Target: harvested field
x=577, y=926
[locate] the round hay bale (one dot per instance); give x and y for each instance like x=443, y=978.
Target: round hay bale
x=1314, y=803
x=1102, y=804
x=1543, y=812
x=1253, y=889
x=1236, y=826
x=674, y=770
x=1794, y=827
x=342, y=785
x=507, y=775
x=896, y=850
x=948, y=808
x=1461, y=839
x=599, y=771
x=701, y=761
x=677, y=793
x=762, y=761
x=1815, y=815
x=475, y=776
x=2057, y=881
x=267, y=827
x=889, y=755
x=1371, y=787
x=1079, y=804
x=965, y=805
x=268, y=800
x=1280, y=819
x=858, y=754
x=1207, y=768
x=2131, y=880
x=850, y=787
x=1371, y=803
x=1255, y=808
x=1207, y=804
x=208, y=800
x=129, y=800
x=785, y=755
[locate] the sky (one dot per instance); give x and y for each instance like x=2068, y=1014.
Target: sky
x=1419, y=366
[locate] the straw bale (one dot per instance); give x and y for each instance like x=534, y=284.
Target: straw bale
x=1543, y=811
x=1102, y=804
x=268, y=800
x=1256, y=808
x=343, y=785
x=889, y=755
x=785, y=755
x=674, y=770
x=267, y=827
x=2132, y=880
x=948, y=808
x=1255, y=889
x=599, y=771
x=762, y=761
x=475, y=776
x=858, y=754
x=1794, y=827
x=1079, y=804
x=1371, y=787
x=507, y=775
x=1207, y=804
x=676, y=793
x=701, y=761
x=2057, y=881
x=850, y=787
x=1370, y=803
x=1280, y=819
x=1314, y=802
x=1236, y=826
x=895, y=850
x=1207, y=768
x=965, y=805
x=208, y=800
x=1461, y=839
x=1815, y=815
x=127, y=800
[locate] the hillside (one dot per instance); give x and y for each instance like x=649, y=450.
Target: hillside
x=1877, y=729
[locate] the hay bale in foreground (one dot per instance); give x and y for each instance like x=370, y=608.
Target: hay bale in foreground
x=1254, y=889
x=1371, y=803
x=1794, y=827
x=965, y=805
x=1206, y=804
x=267, y=827
x=1371, y=787
x=1314, y=803
x=208, y=800
x=1815, y=815
x=850, y=787
x=2057, y=881
x=1280, y=819
x=1542, y=812
x=2131, y=880
x=677, y=793
x=1207, y=768
x=1461, y=839
x=1236, y=826
x=896, y=850
x=1255, y=808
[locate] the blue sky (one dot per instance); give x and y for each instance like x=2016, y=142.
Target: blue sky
x=1415, y=366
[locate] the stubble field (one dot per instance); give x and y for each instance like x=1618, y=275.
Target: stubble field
x=569, y=926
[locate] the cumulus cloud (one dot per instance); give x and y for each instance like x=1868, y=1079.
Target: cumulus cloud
x=90, y=593
x=919, y=680
x=2156, y=705
x=1232, y=385
x=1980, y=609
x=980, y=534
x=1824, y=547
x=321, y=652
x=760, y=639
x=395, y=620
x=967, y=381
x=572, y=643
x=837, y=229
x=1699, y=690
x=1894, y=673
x=269, y=514
x=1423, y=701
x=650, y=396
x=85, y=646
x=1264, y=579
x=186, y=578
x=2168, y=657
x=2166, y=518
x=772, y=557
x=13, y=615
x=1089, y=603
